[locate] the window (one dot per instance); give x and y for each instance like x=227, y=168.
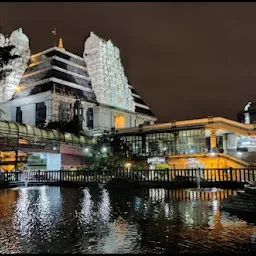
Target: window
x=18, y=115
x=89, y=118
x=40, y=113
x=119, y=121
x=118, y=86
x=65, y=111
x=120, y=100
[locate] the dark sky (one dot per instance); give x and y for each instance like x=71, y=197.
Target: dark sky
x=186, y=60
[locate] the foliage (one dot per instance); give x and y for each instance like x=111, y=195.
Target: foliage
x=64, y=126
x=118, y=152
x=139, y=167
x=5, y=57
x=162, y=166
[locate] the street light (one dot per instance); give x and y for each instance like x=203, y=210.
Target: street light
x=104, y=150
x=128, y=166
x=86, y=150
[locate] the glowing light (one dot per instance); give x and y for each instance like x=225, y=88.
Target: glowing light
x=128, y=165
x=239, y=153
x=104, y=150
x=104, y=208
x=119, y=121
x=18, y=88
x=86, y=150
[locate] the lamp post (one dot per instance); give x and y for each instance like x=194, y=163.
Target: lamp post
x=128, y=166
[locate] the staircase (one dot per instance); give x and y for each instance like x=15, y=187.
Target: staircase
x=243, y=203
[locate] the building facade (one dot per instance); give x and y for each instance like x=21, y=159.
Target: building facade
x=55, y=81
x=212, y=142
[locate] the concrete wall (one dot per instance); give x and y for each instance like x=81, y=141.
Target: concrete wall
x=28, y=107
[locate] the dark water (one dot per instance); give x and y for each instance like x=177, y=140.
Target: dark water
x=95, y=220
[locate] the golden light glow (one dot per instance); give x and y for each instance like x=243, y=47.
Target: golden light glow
x=119, y=121
x=10, y=156
x=22, y=141
x=118, y=86
x=120, y=100
x=18, y=88
x=61, y=43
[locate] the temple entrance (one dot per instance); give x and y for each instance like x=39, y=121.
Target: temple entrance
x=119, y=121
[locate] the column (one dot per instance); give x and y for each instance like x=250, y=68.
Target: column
x=213, y=139
x=48, y=104
x=84, y=123
x=176, y=134
x=224, y=142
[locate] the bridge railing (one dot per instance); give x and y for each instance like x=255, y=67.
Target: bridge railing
x=166, y=175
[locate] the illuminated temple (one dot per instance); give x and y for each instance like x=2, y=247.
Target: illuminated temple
x=48, y=87
x=56, y=85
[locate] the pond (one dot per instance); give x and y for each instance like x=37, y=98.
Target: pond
x=50, y=219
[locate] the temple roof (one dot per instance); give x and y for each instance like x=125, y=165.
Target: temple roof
x=67, y=70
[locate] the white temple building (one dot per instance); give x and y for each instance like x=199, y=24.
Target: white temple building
x=45, y=87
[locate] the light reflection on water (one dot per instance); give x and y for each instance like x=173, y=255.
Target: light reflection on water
x=93, y=220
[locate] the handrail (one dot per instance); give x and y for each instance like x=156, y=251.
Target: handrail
x=198, y=176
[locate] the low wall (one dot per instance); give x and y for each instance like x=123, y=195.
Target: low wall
x=218, y=161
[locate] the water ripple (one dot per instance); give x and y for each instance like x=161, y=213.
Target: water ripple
x=94, y=220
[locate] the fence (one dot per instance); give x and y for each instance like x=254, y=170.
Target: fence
x=166, y=175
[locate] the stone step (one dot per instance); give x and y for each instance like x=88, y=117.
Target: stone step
x=246, y=196
x=250, y=190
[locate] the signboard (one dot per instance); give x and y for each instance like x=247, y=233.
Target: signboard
x=156, y=160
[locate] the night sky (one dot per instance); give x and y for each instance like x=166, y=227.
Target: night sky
x=186, y=60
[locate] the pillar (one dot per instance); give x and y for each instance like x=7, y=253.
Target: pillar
x=213, y=139
x=48, y=104
x=224, y=142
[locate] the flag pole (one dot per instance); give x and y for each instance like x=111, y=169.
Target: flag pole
x=54, y=32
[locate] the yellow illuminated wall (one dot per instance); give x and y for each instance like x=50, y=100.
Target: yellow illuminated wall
x=10, y=156
x=203, y=161
x=119, y=121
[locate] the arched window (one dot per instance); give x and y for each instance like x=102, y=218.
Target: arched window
x=65, y=111
x=89, y=118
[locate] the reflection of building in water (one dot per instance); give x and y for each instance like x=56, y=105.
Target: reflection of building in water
x=121, y=238
x=49, y=205
x=104, y=206
x=157, y=194
x=86, y=207
x=36, y=212
x=219, y=194
x=222, y=231
x=7, y=200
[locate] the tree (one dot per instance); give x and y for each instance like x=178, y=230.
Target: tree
x=116, y=151
x=5, y=57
